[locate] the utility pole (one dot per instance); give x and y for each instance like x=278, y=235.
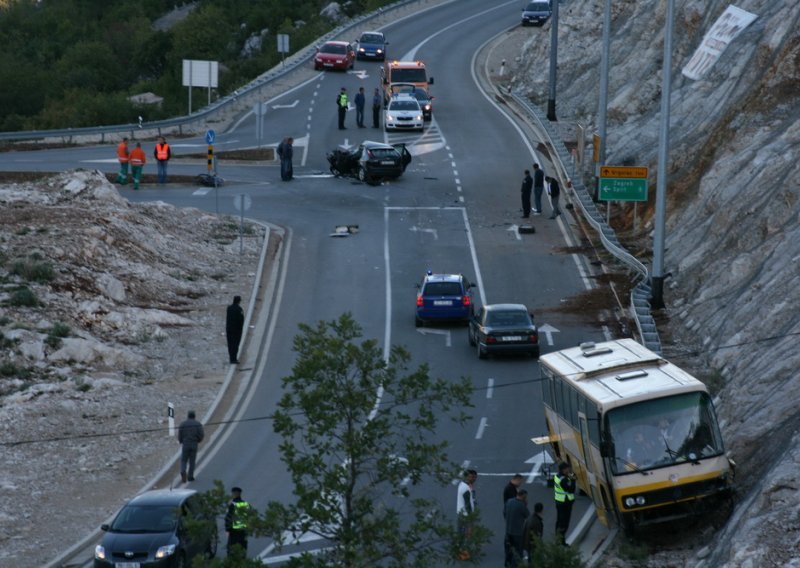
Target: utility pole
x=657, y=278
x=603, y=104
x=551, y=101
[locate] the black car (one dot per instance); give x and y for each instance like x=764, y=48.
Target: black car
x=536, y=13
x=371, y=162
x=161, y=528
x=503, y=328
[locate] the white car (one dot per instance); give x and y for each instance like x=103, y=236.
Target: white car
x=403, y=113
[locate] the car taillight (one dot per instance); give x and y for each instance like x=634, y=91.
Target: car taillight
x=533, y=338
x=465, y=300
x=419, y=301
x=491, y=339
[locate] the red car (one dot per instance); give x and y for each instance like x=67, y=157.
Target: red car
x=335, y=55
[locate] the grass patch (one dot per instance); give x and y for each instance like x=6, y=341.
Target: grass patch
x=53, y=342
x=60, y=329
x=9, y=369
x=33, y=270
x=23, y=297
x=634, y=552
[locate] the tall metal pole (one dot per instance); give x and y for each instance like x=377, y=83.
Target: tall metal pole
x=551, y=101
x=603, y=104
x=657, y=278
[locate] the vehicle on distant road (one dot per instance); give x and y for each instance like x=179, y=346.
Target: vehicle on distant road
x=424, y=99
x=335, y=55
x=413, y=72
x=443, y=297
x=371, y=162
x=372, y=45
x=536, y=13
x=503, y=328
x=153, y=530
x=403, y=113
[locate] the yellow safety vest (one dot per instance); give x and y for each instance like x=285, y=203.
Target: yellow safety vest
x=239, y=523
x=343, y=100
x=560, y=494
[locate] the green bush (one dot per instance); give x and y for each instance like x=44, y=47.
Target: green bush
x=33, y=271
x=53, y=342
x=60, y=329
x=552, y=554
x=24, y=297
x=9, y=369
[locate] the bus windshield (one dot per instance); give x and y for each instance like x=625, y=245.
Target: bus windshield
x=662, y=432
x=414, y=75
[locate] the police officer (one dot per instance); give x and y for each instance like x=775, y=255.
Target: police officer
x=341, y=106
x=564, y=488
x=236, y=523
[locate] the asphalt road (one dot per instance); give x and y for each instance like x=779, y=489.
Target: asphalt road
x=454, y=210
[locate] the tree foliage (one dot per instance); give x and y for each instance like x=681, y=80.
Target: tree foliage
x=111, y=50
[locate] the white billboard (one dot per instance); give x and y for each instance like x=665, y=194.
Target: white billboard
x=199, y=73
x=729, y=25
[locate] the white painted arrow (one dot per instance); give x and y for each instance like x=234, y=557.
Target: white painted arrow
x=539, y=460
x=515, y=228
x=445, y=332
x=294, y=104
x=548, y=331
x=346, y=144
x=360, y=73
x=433, y=232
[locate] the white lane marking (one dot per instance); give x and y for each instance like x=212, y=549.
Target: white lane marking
x=294, y=104
x=239, y=122
x=201, y=191
x=481, y=428
x=474, y=253
x=490, y=388
x=515, y=228
x=446, y=332
x=548, y=331
x=433, y=232
x=539, y=460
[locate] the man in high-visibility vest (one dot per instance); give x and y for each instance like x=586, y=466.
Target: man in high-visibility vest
x=564, y=488
x=138, y=160
x=162, y=154
x=124, y=158
x=341, y=106
x=236, y=524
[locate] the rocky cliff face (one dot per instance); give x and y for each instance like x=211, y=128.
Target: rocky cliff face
x=733, y=238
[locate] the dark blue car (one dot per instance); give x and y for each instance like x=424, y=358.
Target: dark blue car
x=443, y=297
x=372, y=45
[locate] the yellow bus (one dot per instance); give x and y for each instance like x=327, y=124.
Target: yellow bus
x=640, y=433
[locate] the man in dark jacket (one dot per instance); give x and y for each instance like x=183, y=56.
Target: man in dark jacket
x=555, y=193
x=516, y=515
x=510, y=490
x=532, y=530
x=376, y=109
x=285, y=152
x=360, y=100
x=538, y=189
x=527, y=185
x=190, y=434
x=234, y=323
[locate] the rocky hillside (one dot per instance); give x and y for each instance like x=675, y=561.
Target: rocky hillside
x=733, y=244
x=108, y=310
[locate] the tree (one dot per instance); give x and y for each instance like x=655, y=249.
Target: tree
x=357, y=463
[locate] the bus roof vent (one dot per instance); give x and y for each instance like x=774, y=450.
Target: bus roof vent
x=632, y=375
x=589, y=349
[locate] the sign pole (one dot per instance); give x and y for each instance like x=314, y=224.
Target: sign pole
x=241, y=226
x=171, y=419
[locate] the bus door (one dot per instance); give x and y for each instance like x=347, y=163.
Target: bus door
x=601, y=504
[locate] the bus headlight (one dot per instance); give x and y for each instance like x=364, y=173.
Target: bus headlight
x=630, y=501
x=640, y=500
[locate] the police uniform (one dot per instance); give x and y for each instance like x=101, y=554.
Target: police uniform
x=564, y=493
x=236, y=521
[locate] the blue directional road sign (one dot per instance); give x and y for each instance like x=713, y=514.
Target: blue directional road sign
x=210, y=136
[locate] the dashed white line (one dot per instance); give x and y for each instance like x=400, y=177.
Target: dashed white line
x=490, y=388
x=481, y=428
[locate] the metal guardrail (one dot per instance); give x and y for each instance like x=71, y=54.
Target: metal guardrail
x=641, y=293
x=298, y=58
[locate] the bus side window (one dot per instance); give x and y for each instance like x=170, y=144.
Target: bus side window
x=573, y=407
x=547, y=395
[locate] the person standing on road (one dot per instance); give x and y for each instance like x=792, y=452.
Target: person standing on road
x=162, y=154
x=466, y=505
x=234, y=324
x=538, y=189
x=236, y=524
x=138, y=160
x=190, y=434
x=360, y=101
x=527, y=185
x=123, y=156
x=533, y=530
x=285, y=151
x=510, y=490
x=376, y=109
x=555, y=193
x=516, y=513
x=564, y=493
x=341, y=107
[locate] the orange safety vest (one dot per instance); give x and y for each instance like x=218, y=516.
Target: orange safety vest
x=122, y=153
x=137, y=157
x=162, y=151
